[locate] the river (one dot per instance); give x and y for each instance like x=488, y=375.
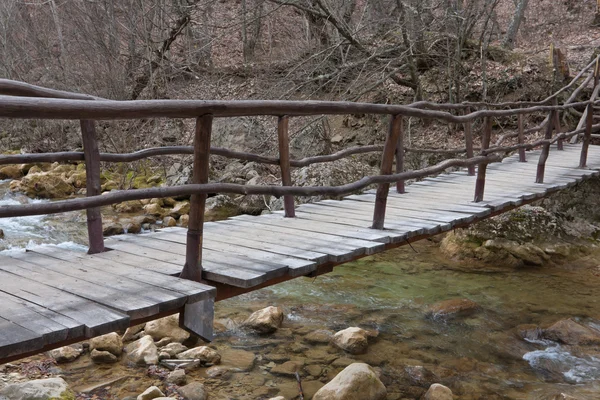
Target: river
x=479, y=356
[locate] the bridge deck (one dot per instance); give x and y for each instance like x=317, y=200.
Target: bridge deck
x=50, y=296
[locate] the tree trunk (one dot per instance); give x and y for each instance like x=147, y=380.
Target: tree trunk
x=513, y=29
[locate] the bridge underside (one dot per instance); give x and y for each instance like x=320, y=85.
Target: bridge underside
x=50, y=296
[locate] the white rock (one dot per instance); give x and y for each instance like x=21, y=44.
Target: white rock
x=65, y=354
x=143, y=351
x=39, y=389
x=111, y=342
x=166, y=327
x=352, y=340
x=438, y=392
x=173, y=349
x=203, y=353
x=266, y=320
x=132, y=333
x=357, y=381
x=193, y=391
x=151, y=393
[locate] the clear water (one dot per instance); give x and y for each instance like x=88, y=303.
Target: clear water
x=478, y=357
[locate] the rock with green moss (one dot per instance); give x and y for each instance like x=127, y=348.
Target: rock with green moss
x=131, y=206
x=45, y=185
x=39, y=389
x=10, y=172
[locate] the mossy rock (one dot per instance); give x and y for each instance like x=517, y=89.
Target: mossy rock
x=45, y=185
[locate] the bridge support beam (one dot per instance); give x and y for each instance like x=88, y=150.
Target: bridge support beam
x=193, y=253
x=387, y=162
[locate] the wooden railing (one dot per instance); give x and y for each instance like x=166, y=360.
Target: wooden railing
x=20, y=100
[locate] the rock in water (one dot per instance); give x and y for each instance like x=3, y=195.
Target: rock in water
x=151, y=393
x=438, y=392
x=266, y=320
x=39, y=389
x=110, y=342
x=193, y=391
x=176, y=377
x=167, y=327
x=65, y=354
x=452, y=308
x=103, y=357
x=358, y=381
x=202, y=353
x=570, y=332
x=352, y=340
x=143, y=351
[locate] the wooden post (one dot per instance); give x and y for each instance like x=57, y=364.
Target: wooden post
x=481, y=168
x=541, y=168
x=522, y=156
x=284, y=164
x=556, y=122
x=589, y=121
x=469, y=142
x=93, y=187
x=400, y=187
x=193, y=253
x=387, y=161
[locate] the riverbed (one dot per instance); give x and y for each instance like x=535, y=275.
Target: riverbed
x=478, y=356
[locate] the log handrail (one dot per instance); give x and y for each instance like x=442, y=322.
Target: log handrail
x=20, y=100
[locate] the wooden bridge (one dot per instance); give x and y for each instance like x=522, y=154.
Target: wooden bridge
x=50, y=296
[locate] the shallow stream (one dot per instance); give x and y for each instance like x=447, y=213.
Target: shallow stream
x=479, y=356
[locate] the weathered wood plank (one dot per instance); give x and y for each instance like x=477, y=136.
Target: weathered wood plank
x=16, y=340
x=97, y=319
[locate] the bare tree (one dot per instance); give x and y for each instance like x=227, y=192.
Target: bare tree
x=513, y=29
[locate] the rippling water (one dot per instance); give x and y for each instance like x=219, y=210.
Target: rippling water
x=478, y=357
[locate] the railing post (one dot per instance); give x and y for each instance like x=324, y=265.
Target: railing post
x=193, y=253
x=284, y=164
x=387, y=161
x=587, y=137
x=93, y=187
x=481, y=168
x=541, y=168
x=400, y=185
x=556, y=121
x=522, y=157
x=469, y=141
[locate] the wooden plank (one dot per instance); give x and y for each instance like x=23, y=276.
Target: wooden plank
x=337, y=252
x=49, y=325
x=406, y=220
x=326, y=228
x=413, y=202
x=163, y=267
x=218, y=272
x=326, y=239
x=16, y=340
x=97, y=319
x=153, y=242
x=294, y=265
x=130, y=304
x=193, y=290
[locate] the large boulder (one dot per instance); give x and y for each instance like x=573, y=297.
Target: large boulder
x=143, y=351
x=438, y=392
x=110, y=342
x=452, y=308
x=266, y=320
x=202, y=353
x=352, y=340
x=166, y=327
x=570, y=332
x=39, y=389
x=46, y=185
x=10, y=172
x=358, y=381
